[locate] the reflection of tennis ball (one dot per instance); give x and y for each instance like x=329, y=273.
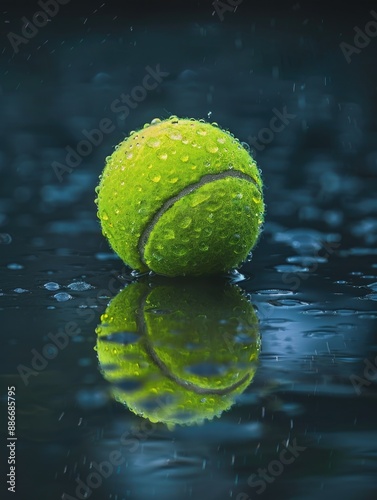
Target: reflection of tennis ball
x=178, y=353
x=181, y=197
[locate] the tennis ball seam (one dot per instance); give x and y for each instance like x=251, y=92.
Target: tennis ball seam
x=206, y=179
x=140, y=319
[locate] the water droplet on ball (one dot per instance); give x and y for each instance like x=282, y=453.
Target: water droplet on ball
x=234, y=240
x=153, y=142
x=185, y=222
x=199, y=198
x=176, y=136
x=169, y=234
x=212, y=148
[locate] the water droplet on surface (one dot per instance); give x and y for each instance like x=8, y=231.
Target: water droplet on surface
x=20, y=290
x=201, y=132
x=106, y=256
x=291, y=268
x=185, y=158
x=79, y=286
x=129, y=156
x=62, y=296
x=155, y=121
x=51, y=285
x=156, y=178
x=163, y=156
x=15, y=267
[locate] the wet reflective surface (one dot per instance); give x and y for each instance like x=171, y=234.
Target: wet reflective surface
x=259, y=384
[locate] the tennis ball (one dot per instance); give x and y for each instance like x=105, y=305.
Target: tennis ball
x=181, y=197
x=178, y=353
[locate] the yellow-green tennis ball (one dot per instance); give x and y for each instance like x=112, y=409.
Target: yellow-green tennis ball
x=178, y=353
x=181, y=197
